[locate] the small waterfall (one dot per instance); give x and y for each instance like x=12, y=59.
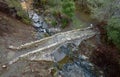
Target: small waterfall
x=38, y=21
x=39, y=24
x=43, y=29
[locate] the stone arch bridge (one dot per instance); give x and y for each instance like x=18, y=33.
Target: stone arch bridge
x=44, y=48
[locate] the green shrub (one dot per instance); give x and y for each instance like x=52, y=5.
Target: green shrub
x=113, y=31
x=54, y=23
x=68, y=7
x=20, y=12
x=64, y=22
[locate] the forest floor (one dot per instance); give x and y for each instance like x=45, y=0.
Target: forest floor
x=11, y=27
x=13, y=32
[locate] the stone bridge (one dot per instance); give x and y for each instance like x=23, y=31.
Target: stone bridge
x=46, y=47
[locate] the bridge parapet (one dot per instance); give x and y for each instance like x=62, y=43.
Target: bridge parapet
x=52, y=39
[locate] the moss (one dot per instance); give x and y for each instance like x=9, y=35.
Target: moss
x=67, y=59
x=54, y=23
x=46, y=35
x=26, y=20
x=54, y=71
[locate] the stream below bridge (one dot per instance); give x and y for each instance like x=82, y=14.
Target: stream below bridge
x=72, y=63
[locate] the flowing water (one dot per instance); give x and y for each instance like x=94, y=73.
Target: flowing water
x=41, y=26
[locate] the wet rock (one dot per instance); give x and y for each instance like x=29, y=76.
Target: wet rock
x=54, y=30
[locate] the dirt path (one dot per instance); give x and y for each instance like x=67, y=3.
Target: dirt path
x=12, y=32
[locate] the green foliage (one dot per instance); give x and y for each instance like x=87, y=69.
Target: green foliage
x=20, y=11
x=107, y=10
x=77, y=23
x=54, y=3
x=68, y=7
x=54, y=23
x=14, y=3
x=39, y=3
x=64, y=22
x=103, y=9
x=62, y=10
x=113, y=30
x=26, y=20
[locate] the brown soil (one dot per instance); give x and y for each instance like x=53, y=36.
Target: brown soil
x=15, y=29
x=13, y=32
x=106, y=56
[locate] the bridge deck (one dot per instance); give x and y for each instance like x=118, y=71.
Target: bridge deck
x=47, y=45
